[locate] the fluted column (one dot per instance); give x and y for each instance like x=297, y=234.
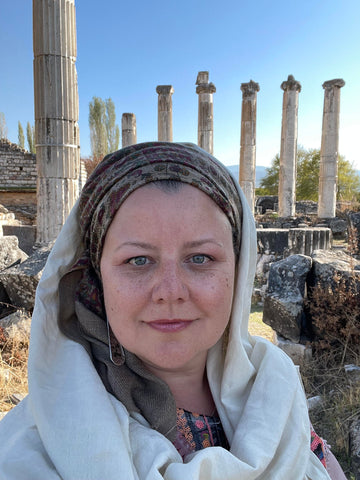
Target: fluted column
x=205, y=91
x=165, y=128
x=329, y=148
x=128, y=129
x=56, y=114
x=288, y=149
x=248, y=141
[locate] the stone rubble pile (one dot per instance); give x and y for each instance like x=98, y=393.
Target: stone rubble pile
x=285, y=311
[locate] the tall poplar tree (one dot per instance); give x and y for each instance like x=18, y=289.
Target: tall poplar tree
x=3, y=127
x=21, y=137
x=104, y=132
x=30, y=137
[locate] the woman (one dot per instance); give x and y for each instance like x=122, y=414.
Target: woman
x=140, y=355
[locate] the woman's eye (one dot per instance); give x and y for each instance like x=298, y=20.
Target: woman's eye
x=200, y=259
x=138, y=261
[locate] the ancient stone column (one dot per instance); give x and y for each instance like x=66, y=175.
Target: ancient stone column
x=128, y=129
x=288, y=149
x=165, y=128
x=329, y=148
x=248, y=141
x=56, y=114
x=205, y=91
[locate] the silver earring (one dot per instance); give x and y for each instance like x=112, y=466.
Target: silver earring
x=118, y=358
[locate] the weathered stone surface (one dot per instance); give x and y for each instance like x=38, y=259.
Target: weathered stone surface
x=284, y=300
x=205, y=90
x=326, y=263
x=20, y=281
x=353, y=372
x=248, y=141
x=298, y=353
x=165, y=127
x=354, y=435
x=271, y=241
x=17, y=325
x=314, y=402
x=305, y=240
x=338, y=226
x=128, y=129
x=10, y=251
x=56, y=114
x=289, y=129
x=26, y=234
x=329, y=148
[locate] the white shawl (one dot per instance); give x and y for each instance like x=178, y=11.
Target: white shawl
x=69, y=427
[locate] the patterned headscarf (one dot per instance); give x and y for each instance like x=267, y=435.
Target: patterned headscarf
x=122, y=172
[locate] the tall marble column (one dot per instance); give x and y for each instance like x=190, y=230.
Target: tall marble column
x=128, y=129
x=329, y=148
x=248, y=141
x=288, y=149
x=165, y=128
x=205, y=90
x=56, y=114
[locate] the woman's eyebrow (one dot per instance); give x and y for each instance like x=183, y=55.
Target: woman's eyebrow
x=200, y=243
x=143, y=245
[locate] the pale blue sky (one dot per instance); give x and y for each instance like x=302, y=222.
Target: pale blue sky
x=126, y=49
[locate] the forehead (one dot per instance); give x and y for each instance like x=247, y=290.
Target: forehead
x=186, y=205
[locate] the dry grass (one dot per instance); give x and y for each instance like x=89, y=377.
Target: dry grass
x=325, y=376
x=13, y=368
x=258, y=327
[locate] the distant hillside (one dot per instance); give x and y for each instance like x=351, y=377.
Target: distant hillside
x=260, y=172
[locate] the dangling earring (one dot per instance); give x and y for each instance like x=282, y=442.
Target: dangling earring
x=116, y=351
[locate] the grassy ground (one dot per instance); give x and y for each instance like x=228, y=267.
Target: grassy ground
x=256, y=325
x=13, y=369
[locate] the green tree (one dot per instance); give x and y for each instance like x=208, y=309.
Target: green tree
x=307, y=174
x=97, y=128
x=3, y=127
x=21, y=137
x=104, y=132
x=307, y=178
x=348, y=187
x=112, y=130
x=270, y=183
x=30, y=137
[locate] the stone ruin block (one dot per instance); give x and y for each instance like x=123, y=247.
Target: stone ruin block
x=10, y=252
x=20, y=281
x=298, y=353
x=327, y=263
x=272, y=240
x=284, y=299
x=305, y=240
x=26, y=235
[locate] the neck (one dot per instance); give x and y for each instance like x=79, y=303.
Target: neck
x=190, y=389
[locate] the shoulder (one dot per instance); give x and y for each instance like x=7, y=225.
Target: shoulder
x=22, y=454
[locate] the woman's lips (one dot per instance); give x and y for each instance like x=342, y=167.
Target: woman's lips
x=169, y=326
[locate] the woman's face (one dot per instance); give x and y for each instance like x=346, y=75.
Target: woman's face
x=167, y=269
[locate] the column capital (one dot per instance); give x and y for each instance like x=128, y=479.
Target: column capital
x=203, y=85
x=165, y=89
x=249, y=88
x=203, y=77
x=291, y=84
x=336, y=82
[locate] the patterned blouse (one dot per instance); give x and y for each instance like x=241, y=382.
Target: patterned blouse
x=195, y=432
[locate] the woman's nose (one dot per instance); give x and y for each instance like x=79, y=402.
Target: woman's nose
x=170, y=284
